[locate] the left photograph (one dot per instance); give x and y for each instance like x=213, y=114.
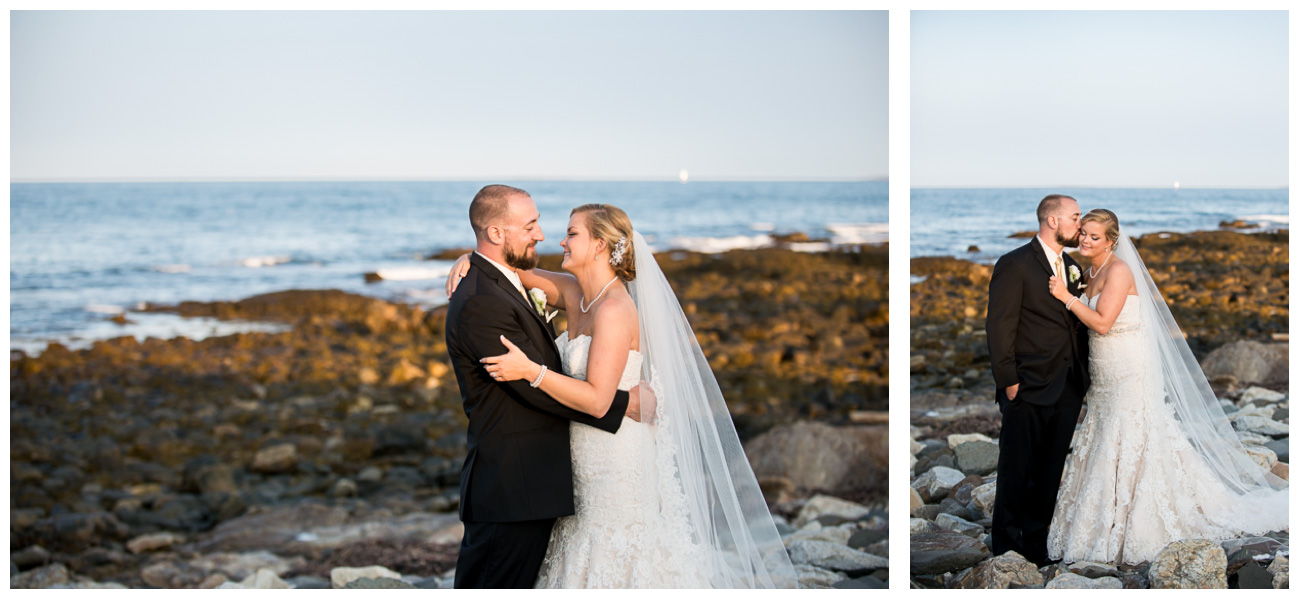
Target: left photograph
x=448, y=299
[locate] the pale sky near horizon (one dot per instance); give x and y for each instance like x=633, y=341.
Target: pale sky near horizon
x=448, y=95
x=1105, y=98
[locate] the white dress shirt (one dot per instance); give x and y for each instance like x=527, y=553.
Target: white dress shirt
x=509, y=273
x=1052, y=257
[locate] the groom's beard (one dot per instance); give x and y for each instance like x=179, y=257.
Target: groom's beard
x=1072, y=242
x=523, y=262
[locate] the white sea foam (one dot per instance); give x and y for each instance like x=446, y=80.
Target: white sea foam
x=146, y=325
x=721, y=244
x=257, y=262
x=810, y=246
x=858, y=233
x=763, y=226
x=1268, y=220
x=171, y=268
x=105, y=309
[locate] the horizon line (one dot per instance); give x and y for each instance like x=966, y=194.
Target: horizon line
x=13, y=180
x=1103, y=187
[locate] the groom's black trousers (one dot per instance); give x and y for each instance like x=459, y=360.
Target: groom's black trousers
x=1033, y=447
x=502, y=555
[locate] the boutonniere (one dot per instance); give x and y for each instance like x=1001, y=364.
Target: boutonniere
x=1074, y=274
x=539, y=303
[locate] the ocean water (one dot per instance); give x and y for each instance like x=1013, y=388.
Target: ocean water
x=83, y=252
x=946, y=222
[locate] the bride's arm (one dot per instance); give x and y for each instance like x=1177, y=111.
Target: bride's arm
x=555, y=285
x=1119, y=280
x=614, y=328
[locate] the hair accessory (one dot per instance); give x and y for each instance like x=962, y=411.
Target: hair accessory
x=616, y=257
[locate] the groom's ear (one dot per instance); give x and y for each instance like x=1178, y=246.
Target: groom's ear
x=495, y=234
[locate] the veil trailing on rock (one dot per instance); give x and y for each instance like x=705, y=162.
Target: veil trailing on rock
x=704, y=476
x=1199, y=414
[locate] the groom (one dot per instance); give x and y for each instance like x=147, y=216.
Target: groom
x=1040, y=367
x=517, y=477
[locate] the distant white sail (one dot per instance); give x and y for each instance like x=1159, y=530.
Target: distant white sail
x=683, y=176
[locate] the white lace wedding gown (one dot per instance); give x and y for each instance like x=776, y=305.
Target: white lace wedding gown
x=1134, y=484
x=629, y=528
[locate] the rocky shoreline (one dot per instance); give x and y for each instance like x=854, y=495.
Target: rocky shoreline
x=286, y=459
x=1227, y=290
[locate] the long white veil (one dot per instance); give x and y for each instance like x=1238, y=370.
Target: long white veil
x=699, y=453
x=1199, y=414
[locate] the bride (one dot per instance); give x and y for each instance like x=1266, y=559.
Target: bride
x=667, y=503
x=1156, y=460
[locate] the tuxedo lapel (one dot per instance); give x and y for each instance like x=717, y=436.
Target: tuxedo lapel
x=1041, y=255
x=495, y=274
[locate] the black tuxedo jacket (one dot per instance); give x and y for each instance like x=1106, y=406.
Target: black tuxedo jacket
x=1033, y=340
x=518, y=466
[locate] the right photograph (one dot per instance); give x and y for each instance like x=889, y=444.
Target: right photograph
x=1099, y=299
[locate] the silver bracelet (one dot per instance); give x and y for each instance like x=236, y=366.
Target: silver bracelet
x=1070, y=303
x=538, y=381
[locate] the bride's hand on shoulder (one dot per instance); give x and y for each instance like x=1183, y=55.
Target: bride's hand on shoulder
x=458, y=272
x=512, y=365
x=1058, y=289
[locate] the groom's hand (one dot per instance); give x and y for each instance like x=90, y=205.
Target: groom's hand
x=637, y=397
x=1012, y=391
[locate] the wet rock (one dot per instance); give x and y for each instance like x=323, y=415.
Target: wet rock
x=822, y=457
x=272, y=528
x=1250, y=362
x=378, y=583
x=307, y=582
x=836, y=557
x=979, y=458
x=173, y=574
x=1262, y=456
x=1261, y=425
x=29, y=557
x=41, y=578
x=1093, y=570
x=811, y=577
x=944, y=552
x=958, y=439
x=343, y=487
x=916, y=526
x=1002, y=572
x=340, y=577
x=275, y=459
x=1280, y=570
x=239, y=566
x=1254, y=394
x=1254, y=577
x=959, y=525
x=153, y=541
x=822, y=505
x=1198, y=564
x=983, y=496
x=1072, y=581
x=937, y=482
x=914, y=501
x=1282, y=470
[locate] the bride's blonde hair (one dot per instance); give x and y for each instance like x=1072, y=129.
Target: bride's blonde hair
x=1107, y=220
x=610, y=224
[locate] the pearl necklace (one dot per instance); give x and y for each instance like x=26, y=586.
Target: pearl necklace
x=587, y=307
x=1103, y=264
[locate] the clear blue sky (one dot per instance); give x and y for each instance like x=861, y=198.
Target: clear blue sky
x=448, y=95
x=1053, y=98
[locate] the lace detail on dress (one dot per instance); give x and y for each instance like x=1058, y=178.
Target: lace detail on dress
x=1133, y=483
x=629, y=528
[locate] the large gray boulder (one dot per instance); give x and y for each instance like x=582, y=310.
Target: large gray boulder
x=1249, y=362
x=823, y=457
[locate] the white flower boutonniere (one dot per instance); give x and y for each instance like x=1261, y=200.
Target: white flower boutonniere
x=539, y=302
x=1074, y=274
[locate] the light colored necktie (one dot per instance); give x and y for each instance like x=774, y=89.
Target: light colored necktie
x=1059, y=274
